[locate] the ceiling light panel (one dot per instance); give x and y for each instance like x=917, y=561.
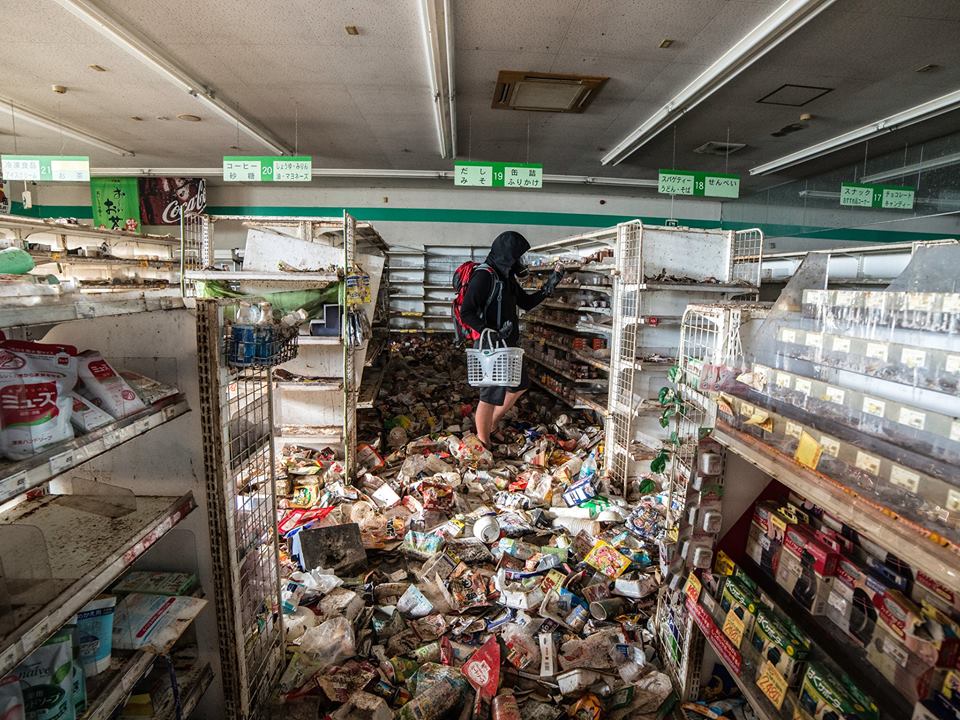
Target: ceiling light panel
x=794, y=95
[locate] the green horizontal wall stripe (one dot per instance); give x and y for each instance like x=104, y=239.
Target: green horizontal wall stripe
x=514, y=217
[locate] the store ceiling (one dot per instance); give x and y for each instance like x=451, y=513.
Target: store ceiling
x=364, y=101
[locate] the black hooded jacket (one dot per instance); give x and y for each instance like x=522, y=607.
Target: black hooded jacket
x=504, y=258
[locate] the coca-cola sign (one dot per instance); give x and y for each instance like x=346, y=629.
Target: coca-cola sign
x=162, y=200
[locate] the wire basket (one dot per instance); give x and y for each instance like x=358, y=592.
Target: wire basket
x=492, y=366
x=259, y=345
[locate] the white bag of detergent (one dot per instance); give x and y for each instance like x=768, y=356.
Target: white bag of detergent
x=105, y=388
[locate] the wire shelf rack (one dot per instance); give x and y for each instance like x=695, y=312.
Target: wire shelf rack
x=237, y=418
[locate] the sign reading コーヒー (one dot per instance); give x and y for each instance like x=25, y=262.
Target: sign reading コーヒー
x=62, y=168
x=497, y=174
x=887, y=197
x=267, y=168
x=687, y=182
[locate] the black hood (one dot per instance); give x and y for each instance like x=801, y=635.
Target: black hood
x=505, y=253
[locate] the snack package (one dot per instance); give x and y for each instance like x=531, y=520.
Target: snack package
x=105, y=388
x=46, y=678
x=86, y=416
x=35, y=403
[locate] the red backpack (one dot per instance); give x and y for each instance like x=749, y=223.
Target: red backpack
x=461, y=279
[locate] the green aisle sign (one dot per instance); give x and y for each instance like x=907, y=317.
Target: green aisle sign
x=267, y=168
x=61, y=168
x=498, y=174
x=687, y=182
x=887, y=197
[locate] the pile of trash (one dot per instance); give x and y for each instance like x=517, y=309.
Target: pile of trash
x=447, y=580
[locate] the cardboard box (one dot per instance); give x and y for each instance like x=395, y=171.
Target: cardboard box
x=809, y=588
x=929, y=589
x=825, y=695
x=742, y=601
x=763, y=549
x=925, y=632
x=802, y=541
x=905, y=670
x=850, y=602
x=779, y=644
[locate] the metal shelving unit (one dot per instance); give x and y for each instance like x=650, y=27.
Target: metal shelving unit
x=237, y=418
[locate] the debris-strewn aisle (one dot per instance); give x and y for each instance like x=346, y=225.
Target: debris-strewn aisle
x=451, y=582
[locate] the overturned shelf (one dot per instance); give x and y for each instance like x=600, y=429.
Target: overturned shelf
x=897, y=536
x=87, y=551
x=17, y=477
x=37, y=225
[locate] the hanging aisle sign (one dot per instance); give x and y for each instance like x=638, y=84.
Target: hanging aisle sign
x=687, y=182
x=61, y=168
x=887, y=197
x=267, y=168
x=498, y=174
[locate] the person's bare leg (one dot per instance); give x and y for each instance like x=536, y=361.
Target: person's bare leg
x=484, y=420
x=508, y=402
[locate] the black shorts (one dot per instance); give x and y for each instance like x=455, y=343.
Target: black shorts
x=496, y=395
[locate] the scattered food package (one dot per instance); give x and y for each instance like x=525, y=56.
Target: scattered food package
x=448, y=579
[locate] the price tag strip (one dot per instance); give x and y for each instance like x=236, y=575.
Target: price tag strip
x=896, y=417
x=812, y=445
x=919, y=366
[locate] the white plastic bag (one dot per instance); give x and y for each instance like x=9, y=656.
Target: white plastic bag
x=329, y=643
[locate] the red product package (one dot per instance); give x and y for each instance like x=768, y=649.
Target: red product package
x=292, y=519
x=104, y=387
x=35, y=404
x=482, y=670
x=800, y=539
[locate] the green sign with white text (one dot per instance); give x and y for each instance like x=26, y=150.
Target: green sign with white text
x=886, y=197
x=267, y=168
x=687, y=182
x=498, y=174
x=61, y=168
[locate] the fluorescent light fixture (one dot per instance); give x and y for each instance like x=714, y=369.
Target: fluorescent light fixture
x=910, y=116
x=49, y=123
x=437, y=44
x=448, y=34
x=913, y=169
x=151, y=55
x=779, y=25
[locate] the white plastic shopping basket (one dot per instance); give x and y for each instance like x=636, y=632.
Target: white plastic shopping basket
x=490, y=365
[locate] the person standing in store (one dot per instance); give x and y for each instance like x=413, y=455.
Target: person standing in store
x=490, y=302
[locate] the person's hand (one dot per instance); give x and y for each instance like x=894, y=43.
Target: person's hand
x=504, y=332
x=555, y=278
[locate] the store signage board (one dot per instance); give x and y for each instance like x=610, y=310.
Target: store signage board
x=60, y=168
x=886, y=197
x=498, y=174
x=688, y=182
x=267, y=168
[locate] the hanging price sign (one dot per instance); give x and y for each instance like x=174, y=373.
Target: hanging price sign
x=282, y=168
x=59, y=168
x=886, y=197
x=498, y=174
x=686, y=182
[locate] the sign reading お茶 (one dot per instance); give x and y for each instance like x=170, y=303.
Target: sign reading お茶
x=687, y=182
x=498, y=174
x=62, y=168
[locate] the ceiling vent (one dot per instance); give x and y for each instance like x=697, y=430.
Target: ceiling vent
x=715, y=147
x=545, y=92
x=794, y=95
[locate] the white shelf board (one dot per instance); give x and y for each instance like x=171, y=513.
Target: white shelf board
x=49, y=310
x=325, y=385
x=20, y=476
x=299, y=279
x=319, y=340
x=575, y=404
x=49, y=258
x=370, y=387
x=192, y=688
x=37, y=225
x=605, y=289
x=563, y=373
x=87, y=551
x=893, y=535
x=703, y=287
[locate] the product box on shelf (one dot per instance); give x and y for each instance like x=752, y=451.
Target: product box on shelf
x=926, y=588
x=935, y=708
x=923, y=631
x=824, y=694
x=765, y=537
x=741, y=600
x=779, y=643
x=850, y=602
x=806, y=568
x=906, y=671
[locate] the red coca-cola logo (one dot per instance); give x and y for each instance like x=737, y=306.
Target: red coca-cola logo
x=9, y=361
x=193, y=206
